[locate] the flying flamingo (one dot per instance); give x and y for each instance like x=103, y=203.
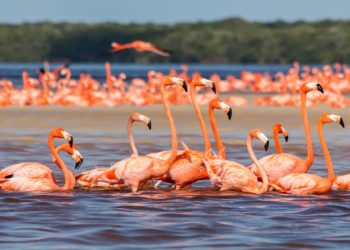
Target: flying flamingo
x=305, y=183
x=234, y=176
x=188, y=166
x=140, y=46
x=279, y=165
x=278, y=129
x=32, y=176
x=95, y=177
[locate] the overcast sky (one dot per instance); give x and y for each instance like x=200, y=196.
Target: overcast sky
x=170, y=11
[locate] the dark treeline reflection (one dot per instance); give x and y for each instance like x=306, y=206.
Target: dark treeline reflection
x=228, y=41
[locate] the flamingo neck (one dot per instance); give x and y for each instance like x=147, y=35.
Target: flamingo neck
x=109, y=77
x=262, y=172
x=195, y=105
x=68, y=76
x=310, y=150
x=134, y=151
x=327, y=156
x=173, y=154
x=277, y=141
x=220, y=145
x=69, y=180
x=45, y=88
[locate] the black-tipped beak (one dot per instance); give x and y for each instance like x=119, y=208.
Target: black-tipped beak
x=78, y=164
x=320, y=88
x=266, y=146
x=71, y=142
x=149, y=124
x=229, y=113
x=342, y=122
x=286, y=138
x=214, y=87
x=184, y=85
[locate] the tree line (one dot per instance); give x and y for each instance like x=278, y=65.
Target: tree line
x=227, y=41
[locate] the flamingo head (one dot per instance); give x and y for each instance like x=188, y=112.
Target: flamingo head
x=256, y=133
x=60, y=133
x=141, y=118
x=218, y=104
x=114, y=44
x=77, y=157
x=73, y=152
x=326, y=118
x=170, y=80
x=203, y=82
x=310, y=86
x=281, y=130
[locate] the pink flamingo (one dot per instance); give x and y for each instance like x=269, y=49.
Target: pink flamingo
x=278, y=129
x=218, y=104
x=188, y=167
x=305, y=183
x=95, y=177
x=140, y=46
x=37, y=177
x=279, y=165
x=233, y=176
x=137, y=171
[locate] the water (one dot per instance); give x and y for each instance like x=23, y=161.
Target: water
x=198, y=218
x=13, y=72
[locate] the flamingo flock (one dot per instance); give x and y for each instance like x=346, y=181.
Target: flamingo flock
x=58, y=88
x=280, y=172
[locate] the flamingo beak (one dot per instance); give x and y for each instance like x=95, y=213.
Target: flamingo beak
x=286, y=138
x=341, y=122
x=229, y=113
x=266, y=146
x=71, y=142
x=214, y=87
x=149, y=124
x=78, y=164
x=68, y=137
x=320, y=88
x=184, y=85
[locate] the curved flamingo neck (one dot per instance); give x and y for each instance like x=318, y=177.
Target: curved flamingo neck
x=310, y=150
x=277, y=141
x=69, y=180
x=262, y=172
x=173, y=154
x=220, y=145
x=134, y=151
x=195, y=105
x=327, y=156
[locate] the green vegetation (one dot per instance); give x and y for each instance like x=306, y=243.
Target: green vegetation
x=227, y=41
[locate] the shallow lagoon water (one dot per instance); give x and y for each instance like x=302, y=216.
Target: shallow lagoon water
x=159, y=219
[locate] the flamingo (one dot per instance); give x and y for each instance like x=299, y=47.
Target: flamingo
x=188, y=166
x=218, y=104
x=306, y=183
x=279, y=165
x=234, y=176
x=279, y=129
x=140, y=46
x=31, y=176
x=138, y=170
x=90, y=178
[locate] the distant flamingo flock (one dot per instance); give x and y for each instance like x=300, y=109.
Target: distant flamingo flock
x=58, y=88
x=280, y=172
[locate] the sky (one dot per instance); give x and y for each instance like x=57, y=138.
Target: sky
x=170, y=11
